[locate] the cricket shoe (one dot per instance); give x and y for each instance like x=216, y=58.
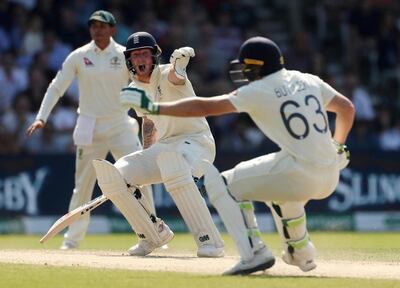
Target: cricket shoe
x=262, y=260
x=210, y=251
x=68, y=245
x=145, y=247
x=302, y=258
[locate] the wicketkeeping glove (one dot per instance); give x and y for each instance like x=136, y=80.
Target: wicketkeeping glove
x=342, y=148
x=137, y=99
x=180, y=59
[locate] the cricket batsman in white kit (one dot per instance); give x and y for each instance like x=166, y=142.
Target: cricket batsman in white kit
x=102, y=125
x=175, y=149
x=290, y=108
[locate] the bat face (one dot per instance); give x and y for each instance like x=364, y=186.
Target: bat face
x=72, y=216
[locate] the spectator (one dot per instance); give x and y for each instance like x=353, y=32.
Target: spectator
x=225, y=42
x=5, y=41
x=13, y=79
x=32, y=42
x=7, y=141
x=48, y=142
x=243, y=136
x=389, y=140
x=388, y=45
x=358, y=36
x=362, y=137
x=360, y=97
x=38, y=82
x=56, y=51
x=69, y=28
x=301, y=55
x=18, y=119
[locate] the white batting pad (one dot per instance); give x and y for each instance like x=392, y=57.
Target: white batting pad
x=147, y=192
x=250, y=221
x=290, y=221
x=228, y=210
x=115, y=188
x=178, y=181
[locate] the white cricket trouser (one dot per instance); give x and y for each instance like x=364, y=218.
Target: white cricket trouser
x=119, y=136
x=140, y=167
x=279, y=177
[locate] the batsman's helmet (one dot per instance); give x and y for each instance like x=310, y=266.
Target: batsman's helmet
x=258, y=57
x=141, y=40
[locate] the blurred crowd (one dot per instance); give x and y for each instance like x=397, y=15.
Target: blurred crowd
x=353, y=45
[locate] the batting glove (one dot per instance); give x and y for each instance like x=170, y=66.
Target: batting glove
x=341, y=148
x=180, y=59
x=137, y=99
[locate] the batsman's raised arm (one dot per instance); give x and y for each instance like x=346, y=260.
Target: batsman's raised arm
x=179, y=60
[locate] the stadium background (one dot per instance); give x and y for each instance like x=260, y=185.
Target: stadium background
x=354, y=45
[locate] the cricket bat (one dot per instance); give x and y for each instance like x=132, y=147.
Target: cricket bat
x=72, y=216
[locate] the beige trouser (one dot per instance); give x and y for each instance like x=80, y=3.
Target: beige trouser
x=174, y=162
x=279, y=177
x=141, y=168
x=286, y=184
x=117, y=135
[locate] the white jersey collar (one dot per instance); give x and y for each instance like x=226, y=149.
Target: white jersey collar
x=108, y=49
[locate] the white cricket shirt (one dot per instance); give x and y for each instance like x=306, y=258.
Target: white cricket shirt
x=289, y=108
x=160, y=89
x=101, y=74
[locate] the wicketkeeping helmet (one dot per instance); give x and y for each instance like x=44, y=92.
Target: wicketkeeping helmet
x=141, y=40
x=258, y=57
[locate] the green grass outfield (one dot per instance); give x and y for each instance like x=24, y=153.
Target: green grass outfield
x=377, y=247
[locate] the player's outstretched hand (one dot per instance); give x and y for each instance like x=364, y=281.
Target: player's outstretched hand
x=37, y=124
x=137, y=99
x=180, y=59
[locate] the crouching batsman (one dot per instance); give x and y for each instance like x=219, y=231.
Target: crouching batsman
x=174, y=149
x=290, y=108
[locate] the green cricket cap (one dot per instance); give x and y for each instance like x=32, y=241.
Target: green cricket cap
x=103, y=16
